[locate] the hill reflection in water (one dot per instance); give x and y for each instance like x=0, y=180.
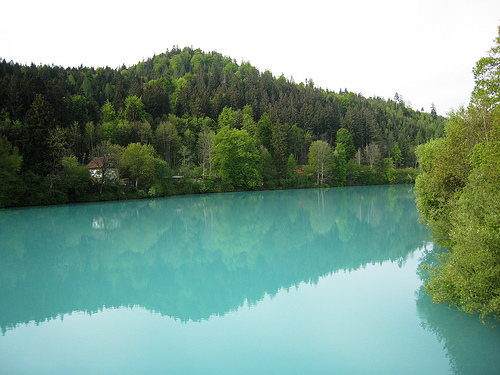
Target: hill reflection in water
x=191, y=257
x=196, y=257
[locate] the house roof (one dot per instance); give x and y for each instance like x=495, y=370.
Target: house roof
x=96, y=162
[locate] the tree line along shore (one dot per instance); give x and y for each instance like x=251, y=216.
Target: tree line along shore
x=186, y=121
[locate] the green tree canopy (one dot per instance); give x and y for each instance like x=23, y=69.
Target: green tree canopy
x=237, y=159
x=48, y=113
x=227, y=118
x=108, y=112
x=134, y=109
x=459, y=196
x=137, y=162
x=396, y=154
x=340, y=164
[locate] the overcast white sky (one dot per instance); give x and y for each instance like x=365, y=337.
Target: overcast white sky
x=424, y=50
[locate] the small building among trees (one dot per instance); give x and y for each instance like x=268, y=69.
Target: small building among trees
x=99, y=167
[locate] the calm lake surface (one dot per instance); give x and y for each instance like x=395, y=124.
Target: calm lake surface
x=282, y=282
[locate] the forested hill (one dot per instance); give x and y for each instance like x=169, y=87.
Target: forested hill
x=175, y=105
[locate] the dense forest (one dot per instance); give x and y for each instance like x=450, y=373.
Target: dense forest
x=186, y=121
x=459, y=196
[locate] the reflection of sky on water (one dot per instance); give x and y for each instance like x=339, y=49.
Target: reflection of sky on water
x=349, y=322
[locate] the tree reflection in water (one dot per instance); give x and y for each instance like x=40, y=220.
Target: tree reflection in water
x=471, y=347
x=193, y=257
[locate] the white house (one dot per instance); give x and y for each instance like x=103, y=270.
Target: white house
x=97, y=167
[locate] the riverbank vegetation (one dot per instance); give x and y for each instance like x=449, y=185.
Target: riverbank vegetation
x=186, y=121
x=459, y=196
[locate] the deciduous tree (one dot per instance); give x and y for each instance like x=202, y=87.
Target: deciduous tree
x=320, y=160
x=137, y=161
x=166, y=140
x=372, y=154
x=206, y=145
x=458, y=193
x=237, y=159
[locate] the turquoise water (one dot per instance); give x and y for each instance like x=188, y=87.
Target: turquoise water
x=282, y=282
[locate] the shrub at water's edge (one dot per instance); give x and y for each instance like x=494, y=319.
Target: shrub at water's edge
x=458, y=194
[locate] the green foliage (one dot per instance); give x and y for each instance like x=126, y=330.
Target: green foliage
x=108, y=112
x=172, y=102
x=237, y=159
x=248, y=122
x=292, y=176
x=388, y=170
x=108, y=160
x=396, y=154
x=123, y=133
x=291, y=166
x=486, y=94
x=445, y=168
x=10, y=166
x=268, y=169
x=320, y=160
x=469, y=275
x=480, y=155
x=265, y=131
x=134, y=109
x=226, y=118
x=340, y=164
x=162, y=179
x=137, y=162
x=39, y=121
x=206, y=147
x=167, y=141
x=279, y=148
x=75, y=179
x=343, y=136
x=82, y=108
x=87, y=88
x=353, y=172
x=156, y=98
x=459, y=196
